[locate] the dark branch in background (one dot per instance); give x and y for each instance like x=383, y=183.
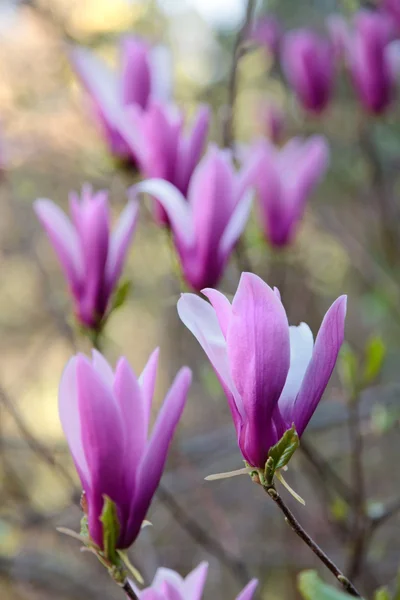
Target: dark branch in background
x=200, y=535
x=303, y=535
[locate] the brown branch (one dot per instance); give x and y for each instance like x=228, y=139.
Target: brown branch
x=303, y=535
x=129, y=591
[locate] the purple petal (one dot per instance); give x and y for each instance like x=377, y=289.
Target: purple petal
x=102, y=439
x=152, y=465
x=120, y=239
x=201, y=319
x=190, y=149
x=327, y=345
x=194, y=583
x=248, y=592
x=135, y=71
x=103, y=368
x=147, y=382
x=222, y=307
x=71, y=421
x=64, y=239
x=259, y=356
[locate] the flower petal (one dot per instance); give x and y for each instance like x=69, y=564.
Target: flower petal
x=147, y=382
x=64, y=239
x=201, y=319
x=248, y=592
x=222, y=307
x=152, y=464
x=190, y=149
x=161, y=73
x=327, y=345
x=103, y=368
x=195, y=582
x=235, y=226
x=135, y=71
x=259, y=356
x=119, y=243
x=175, y=205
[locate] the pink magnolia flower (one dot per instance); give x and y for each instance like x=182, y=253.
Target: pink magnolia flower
x=207, y=224
x=144, y=74
x=105, y=417
x=308, y=64
x=272, y=374
x=367, y=51
x=91, y=257
x=156, y=137
x=284, y=181
x=169, y=585
x=392, y=9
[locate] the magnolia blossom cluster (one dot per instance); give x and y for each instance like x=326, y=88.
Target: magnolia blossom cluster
x=367, y=47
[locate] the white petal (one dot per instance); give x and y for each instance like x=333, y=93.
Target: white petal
x=161, y=73
x=236, y=224
x=301, y=348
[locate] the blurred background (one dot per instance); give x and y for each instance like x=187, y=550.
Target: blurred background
x=49, y=146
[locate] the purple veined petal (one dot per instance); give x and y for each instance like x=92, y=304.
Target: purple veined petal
x=71, y=422
x=201, y=319
x=101, y=429
x=190, y=149
x=147, y=382
x=259, y=356
x=64, y=239
x=103, y=368
x=327, y=345
x=121, y=237
x=248, y=592
x=194, y=583
x=134, y=418
x=175, y=205
x=161, y=73
x=222, y=307
x=235, y=226
x=135, y=71
x=152, y=464
x=99, y=80
x=301, y=349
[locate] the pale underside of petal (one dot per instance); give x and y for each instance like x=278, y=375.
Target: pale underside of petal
x=194, y=583
x=175, y=205
x=235, y=226
x=301, y=349
x=168, y=575
x=161, y=73
x=147, y=382
x=201, y=319
x=64, y=239
x=222, y=307
x=103, y=368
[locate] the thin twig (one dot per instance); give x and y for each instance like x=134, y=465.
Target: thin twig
x=128, y=589
x=201, y=536
x=303, y=535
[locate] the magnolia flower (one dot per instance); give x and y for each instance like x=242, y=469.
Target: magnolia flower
x=156, y=137
x=308, y=64
x=91, y=257
x=207, y=224
x=284, y=181
x=272, y=374
x=169, y=585
x=145, y=74
x=368, y=54
x=105, y=417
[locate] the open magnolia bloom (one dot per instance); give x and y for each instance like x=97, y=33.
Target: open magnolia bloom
x=207, y=223
x=273, y=374
x=91, y=256
x=169, y=585
x=105, y=416
x=144, y=75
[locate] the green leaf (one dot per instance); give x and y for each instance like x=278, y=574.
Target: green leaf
x=121, y=294
x=348, y=369
x=312, y=587
x=109, y=518
x=382, y=594
x=375, y=352
x=280, y=454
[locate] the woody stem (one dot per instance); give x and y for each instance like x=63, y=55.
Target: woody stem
x=298, y=529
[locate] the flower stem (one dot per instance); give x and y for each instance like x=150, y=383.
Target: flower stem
x=128, y=589
x=298, y=529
